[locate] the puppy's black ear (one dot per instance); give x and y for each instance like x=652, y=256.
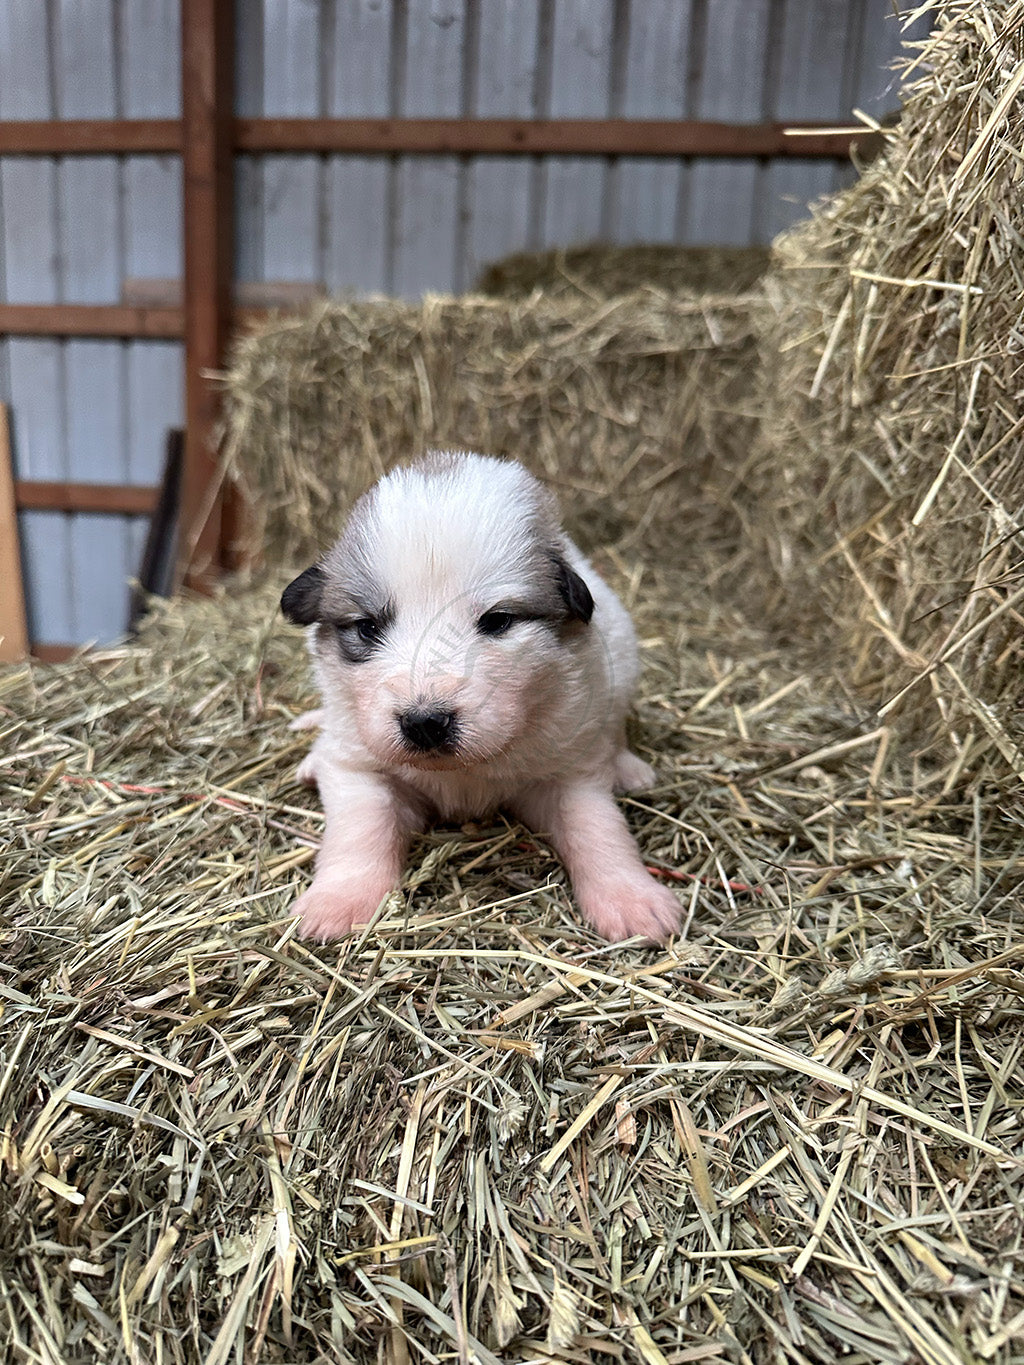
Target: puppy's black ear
x=300, y=601
x=579, y=604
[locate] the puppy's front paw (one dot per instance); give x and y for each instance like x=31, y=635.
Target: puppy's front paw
x=632, y=774
x=309, y=720
x=333, y=909
x=621, y=909
x=306, y=771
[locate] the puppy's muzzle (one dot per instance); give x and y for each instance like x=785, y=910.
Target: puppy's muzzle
x=429, y=731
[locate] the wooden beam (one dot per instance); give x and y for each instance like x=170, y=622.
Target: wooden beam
x=558, y=137
x=13, y=626
x=249, y=295
x=36, y=495
x=88, y=136
x=54, y=654
x=89, y=319
x=207, y=71
x=430, y=136
x=112, y=319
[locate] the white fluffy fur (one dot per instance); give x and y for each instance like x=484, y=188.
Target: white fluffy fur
x=540, y=709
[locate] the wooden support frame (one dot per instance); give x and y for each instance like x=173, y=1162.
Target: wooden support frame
x=88, y=136
x=436, y=136
x=128, y=499
x=90, y=320
x=536, y=137
x=13, y=624
x=206, y=137
x=207, y=81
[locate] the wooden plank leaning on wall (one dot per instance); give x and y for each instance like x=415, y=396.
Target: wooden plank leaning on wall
x=13, y=626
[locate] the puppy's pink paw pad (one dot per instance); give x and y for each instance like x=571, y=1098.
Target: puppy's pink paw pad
x=334, y=911
x=624, y=910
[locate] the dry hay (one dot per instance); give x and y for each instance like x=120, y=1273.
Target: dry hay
x=889, y=491
x=476, y=1132
x=600, y=272
x=637, y=412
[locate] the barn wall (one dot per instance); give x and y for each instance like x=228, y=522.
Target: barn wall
x=72, y=229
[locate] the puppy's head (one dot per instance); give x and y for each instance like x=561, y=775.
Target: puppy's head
x=445, y=616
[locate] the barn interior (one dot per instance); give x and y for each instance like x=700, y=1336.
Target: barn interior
x=474, y=1130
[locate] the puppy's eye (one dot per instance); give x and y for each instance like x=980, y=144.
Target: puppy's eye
x=357, y=638
x=495, y=622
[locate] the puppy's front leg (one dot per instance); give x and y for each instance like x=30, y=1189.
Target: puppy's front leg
x=366, y=836
x=613, y=889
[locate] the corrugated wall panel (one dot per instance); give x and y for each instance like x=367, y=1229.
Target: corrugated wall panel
x=358, y=188
x=75, y=228
x=292, y=185
x=502, y=81
x=578, y=84
x=810, y=62
x=91, y=266
x=150, y=87
x=646, y=191
x=36, y=372
x=721, y=196
x=429, y=41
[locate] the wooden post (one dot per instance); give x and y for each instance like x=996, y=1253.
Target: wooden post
x=13, y=628
x=207, y=70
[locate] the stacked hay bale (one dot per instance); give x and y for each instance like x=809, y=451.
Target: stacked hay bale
x=602, y=272
x=636, y=411
x=889, y=488
x=476, y=1132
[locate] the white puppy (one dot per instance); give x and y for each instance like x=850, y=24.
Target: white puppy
x=469, y=658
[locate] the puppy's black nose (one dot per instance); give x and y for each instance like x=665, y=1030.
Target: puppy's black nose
x=426, y=730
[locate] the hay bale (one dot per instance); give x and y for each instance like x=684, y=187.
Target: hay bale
x=637, y=412
x=476, y=1131
x=600, y=272
x=889, y=487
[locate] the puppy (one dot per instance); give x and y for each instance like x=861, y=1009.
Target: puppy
x=469, y=657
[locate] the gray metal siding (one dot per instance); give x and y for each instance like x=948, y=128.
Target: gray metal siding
x=74, y=229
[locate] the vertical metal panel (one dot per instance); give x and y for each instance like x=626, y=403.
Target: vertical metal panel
x=721, y=194
x=249, y=169
x=573, y=188
x=429, y=81
x=876, y=87
x=35, y=371
x=502, y=82
x=808, y=75
x=89, y=221
x=357, y=188
x=150, y=82
x=292, y=248
x=645, y=191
